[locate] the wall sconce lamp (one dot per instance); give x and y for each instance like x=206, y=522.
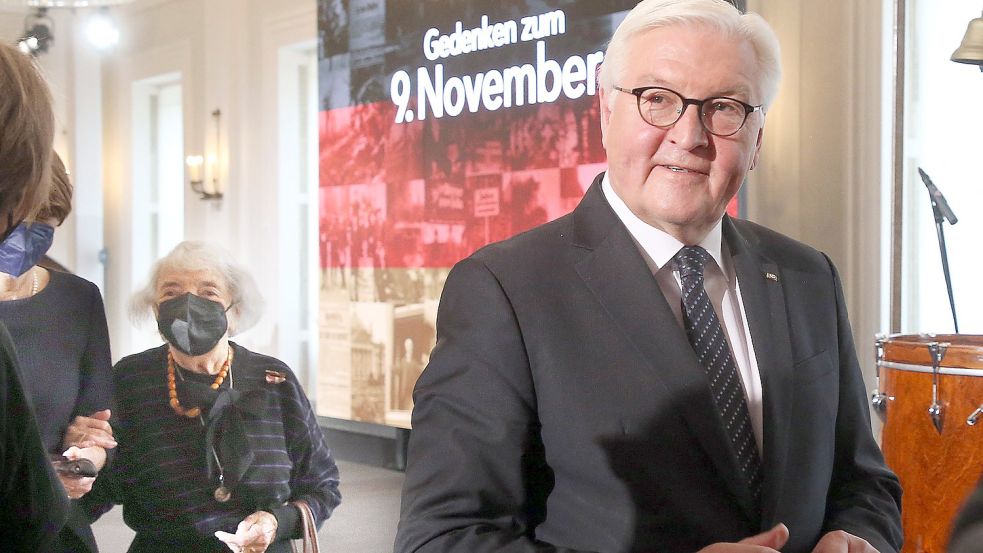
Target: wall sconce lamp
x=194, y=164
x=971, y=49
x=200, y=167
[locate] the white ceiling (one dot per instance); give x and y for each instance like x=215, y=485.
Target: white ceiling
x=26, y=6
x=60, y=3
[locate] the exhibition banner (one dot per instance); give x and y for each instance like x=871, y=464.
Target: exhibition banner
x=444, y=125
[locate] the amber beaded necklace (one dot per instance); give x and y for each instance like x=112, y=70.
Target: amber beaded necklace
x=172, y=385
x=221, y=494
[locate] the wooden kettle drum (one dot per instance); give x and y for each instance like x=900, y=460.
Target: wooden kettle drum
x=930, y=397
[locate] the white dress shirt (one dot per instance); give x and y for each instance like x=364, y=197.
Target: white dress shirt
x=720, y=280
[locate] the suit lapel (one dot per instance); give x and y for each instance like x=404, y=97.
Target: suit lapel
x=760, y=283
x=617, y=275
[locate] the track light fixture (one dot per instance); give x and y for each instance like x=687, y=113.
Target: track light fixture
x=38, y=33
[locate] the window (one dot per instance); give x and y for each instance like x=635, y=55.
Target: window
x=942, y=119
x=298, y=249
x=158, y=180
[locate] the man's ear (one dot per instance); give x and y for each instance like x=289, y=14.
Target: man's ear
x=602, y=98
x=757, y=149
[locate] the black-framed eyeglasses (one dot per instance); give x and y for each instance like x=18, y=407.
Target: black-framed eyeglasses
x=662, y=107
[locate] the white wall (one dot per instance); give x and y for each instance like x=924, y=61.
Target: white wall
x=157, y=39
x=11, y=23
x=225, y=52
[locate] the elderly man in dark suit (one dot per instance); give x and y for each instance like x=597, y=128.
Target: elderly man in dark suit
x=646, y=373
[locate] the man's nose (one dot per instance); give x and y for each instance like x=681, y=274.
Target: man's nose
x=688, y=132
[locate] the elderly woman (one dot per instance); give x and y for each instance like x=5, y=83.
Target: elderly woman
x=219, y=448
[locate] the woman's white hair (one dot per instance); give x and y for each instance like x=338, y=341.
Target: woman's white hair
x=192, y=255
x=716, y=14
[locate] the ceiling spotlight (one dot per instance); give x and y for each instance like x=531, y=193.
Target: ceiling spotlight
x=28, y=44
x=38, y=35
x=101, y=31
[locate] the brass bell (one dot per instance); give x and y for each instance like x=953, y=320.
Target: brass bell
x=971, y=49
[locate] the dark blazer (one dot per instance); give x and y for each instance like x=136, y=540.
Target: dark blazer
x=563, y=408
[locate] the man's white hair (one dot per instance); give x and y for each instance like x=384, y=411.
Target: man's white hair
x=192, y=255
x=715, y=14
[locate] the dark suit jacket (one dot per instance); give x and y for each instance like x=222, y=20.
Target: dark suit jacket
x=563, y=408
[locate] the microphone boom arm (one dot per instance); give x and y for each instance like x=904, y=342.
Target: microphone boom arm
x=942, y=211
x=939, y=205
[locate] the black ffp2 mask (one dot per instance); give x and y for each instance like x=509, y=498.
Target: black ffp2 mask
x=191, y=323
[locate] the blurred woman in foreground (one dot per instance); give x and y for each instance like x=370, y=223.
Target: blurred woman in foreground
x=33, y=505
x=58, y=326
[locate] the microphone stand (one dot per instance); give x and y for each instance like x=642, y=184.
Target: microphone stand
x=942, y=211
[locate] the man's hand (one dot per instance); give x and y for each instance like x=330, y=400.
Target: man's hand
x=91, y=431
x=842, y=542
x=253, y=535
x=765, y=542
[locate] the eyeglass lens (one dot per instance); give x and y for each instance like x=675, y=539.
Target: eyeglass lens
x=661, y=107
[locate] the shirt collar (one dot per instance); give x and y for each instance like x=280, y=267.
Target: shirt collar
x=659, y=245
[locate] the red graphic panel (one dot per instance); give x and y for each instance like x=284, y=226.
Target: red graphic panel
x=428, y=193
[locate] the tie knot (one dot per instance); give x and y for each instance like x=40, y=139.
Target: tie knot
x=690, y=261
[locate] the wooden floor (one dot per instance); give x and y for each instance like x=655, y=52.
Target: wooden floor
x=364, y=523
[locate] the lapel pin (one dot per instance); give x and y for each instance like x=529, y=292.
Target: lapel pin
x=771, y=276
x=275, y=377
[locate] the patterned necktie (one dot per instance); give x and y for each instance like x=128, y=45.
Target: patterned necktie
x=706, y=335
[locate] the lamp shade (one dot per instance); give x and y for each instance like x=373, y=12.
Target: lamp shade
x=971, y=49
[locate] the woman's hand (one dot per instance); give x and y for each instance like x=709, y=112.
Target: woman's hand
x=74, y=486
x=89, y=438
x=91, y=431
x=253, y=535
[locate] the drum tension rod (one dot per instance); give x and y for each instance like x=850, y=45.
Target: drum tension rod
x=878, y=399
x=937, y=351
x=975, y=416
